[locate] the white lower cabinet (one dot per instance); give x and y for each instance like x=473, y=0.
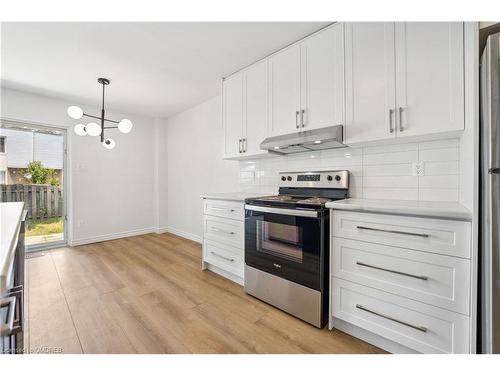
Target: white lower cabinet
x=413, y=292
x=224, y=238
x=418, y=326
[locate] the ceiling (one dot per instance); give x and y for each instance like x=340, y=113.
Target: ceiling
x=156, y=69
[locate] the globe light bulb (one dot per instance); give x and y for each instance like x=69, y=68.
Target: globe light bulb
x=109, y=143
x=80, y=130
x=75, y=112
x=93, y=129
x=125, y=126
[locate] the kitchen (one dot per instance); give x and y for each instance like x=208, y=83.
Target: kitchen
x=333, y=191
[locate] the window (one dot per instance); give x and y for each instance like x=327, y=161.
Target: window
x=2, y=177
x=2, y=144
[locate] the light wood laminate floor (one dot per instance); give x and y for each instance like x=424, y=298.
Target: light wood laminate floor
x=147, y=294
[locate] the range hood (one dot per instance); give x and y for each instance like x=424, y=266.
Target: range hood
x=309, y=140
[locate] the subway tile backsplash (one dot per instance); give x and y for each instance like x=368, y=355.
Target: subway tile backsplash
x=379, y=172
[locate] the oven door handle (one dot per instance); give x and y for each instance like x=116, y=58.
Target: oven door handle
x=282, y=211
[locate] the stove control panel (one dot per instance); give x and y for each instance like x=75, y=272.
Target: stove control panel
x=320, y=179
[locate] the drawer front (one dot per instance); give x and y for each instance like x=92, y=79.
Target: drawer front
x=438, y=280
x=227, y=209
x=224, y=257
x=227, y=231
x=418, y=326
x=445, y=237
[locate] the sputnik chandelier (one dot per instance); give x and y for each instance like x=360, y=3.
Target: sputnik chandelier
x=97, y=129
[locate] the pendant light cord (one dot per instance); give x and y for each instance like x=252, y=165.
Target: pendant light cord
x=103, y=95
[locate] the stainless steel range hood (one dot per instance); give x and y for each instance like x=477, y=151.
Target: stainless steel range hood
x=309, y=140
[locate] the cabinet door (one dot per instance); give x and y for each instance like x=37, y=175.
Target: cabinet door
x=233, y=113
x=429, y=77
x=323, y=78
x=370, y=86
x=256, y=105
x=285, y=90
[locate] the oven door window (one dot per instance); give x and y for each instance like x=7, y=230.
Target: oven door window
x=287, y=246
x=280, y=240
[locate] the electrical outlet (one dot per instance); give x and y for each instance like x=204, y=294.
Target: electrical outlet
x=418, y=169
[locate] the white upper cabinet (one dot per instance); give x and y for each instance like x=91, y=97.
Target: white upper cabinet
x=370, y=86
x=381, y=80
x=232, y=115
x=245, y=111
x=403, y=79
x=256, y=107
x=284, y=89
x=307, y=83
x=429, y=77
x=322, y=88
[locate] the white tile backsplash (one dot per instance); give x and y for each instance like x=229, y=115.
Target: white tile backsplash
x=376, y=172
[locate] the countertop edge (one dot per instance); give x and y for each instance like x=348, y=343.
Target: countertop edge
x=231, y=197
x=8, y=258
x=404, y=211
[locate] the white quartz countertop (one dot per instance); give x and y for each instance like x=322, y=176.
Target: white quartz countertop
x=10, y=220
x=448, y=210
x=239, y=197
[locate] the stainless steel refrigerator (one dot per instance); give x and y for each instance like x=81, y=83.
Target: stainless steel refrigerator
x=490, y=198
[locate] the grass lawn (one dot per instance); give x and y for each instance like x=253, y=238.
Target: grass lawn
x=42, y=227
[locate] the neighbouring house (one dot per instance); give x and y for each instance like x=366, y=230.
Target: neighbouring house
x=19, y=147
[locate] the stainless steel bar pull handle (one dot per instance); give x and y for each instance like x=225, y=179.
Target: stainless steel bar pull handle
x=239, y=146
x=392, y=271
x=418, y=328
x=244, y=142
x=302, y=123
x=391, y=128
x=222, y=209
x=400, y=110
x=394, y=231
x=222, y=256
x=297, y=124
x=223, y=231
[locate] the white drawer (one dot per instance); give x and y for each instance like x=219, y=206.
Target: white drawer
x=227, y=231
x=227, y=209
x=418, y=326
x=224, y=257
x=446, y=237
x=439, y=280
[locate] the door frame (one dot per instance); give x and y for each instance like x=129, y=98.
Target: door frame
x=13, y=123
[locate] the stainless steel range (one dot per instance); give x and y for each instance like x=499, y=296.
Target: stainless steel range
x=286, y=243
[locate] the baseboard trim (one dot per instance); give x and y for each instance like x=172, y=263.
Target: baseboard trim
x=180, y=233
x=225, y=274
x=112, y=236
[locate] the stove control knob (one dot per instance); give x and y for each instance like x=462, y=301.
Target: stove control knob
x=329, y=178
x=283, y=178
x=337, y=178
x=289, y=178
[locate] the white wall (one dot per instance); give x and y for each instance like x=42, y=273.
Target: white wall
x=112, y=192
x=194, y=144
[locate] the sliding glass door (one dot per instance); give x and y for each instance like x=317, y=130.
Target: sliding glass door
x=32, y=170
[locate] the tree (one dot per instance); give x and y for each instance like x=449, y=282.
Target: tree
x=36, y=173
x=53, y=180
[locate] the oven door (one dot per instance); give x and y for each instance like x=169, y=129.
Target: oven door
x=285, y=242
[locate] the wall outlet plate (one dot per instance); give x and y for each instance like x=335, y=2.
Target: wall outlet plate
x=418, y=169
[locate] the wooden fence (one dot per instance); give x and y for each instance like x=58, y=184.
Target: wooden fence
x=41, y=201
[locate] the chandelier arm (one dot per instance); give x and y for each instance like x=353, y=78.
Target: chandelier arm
x=111, y=127
x=98, y=118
